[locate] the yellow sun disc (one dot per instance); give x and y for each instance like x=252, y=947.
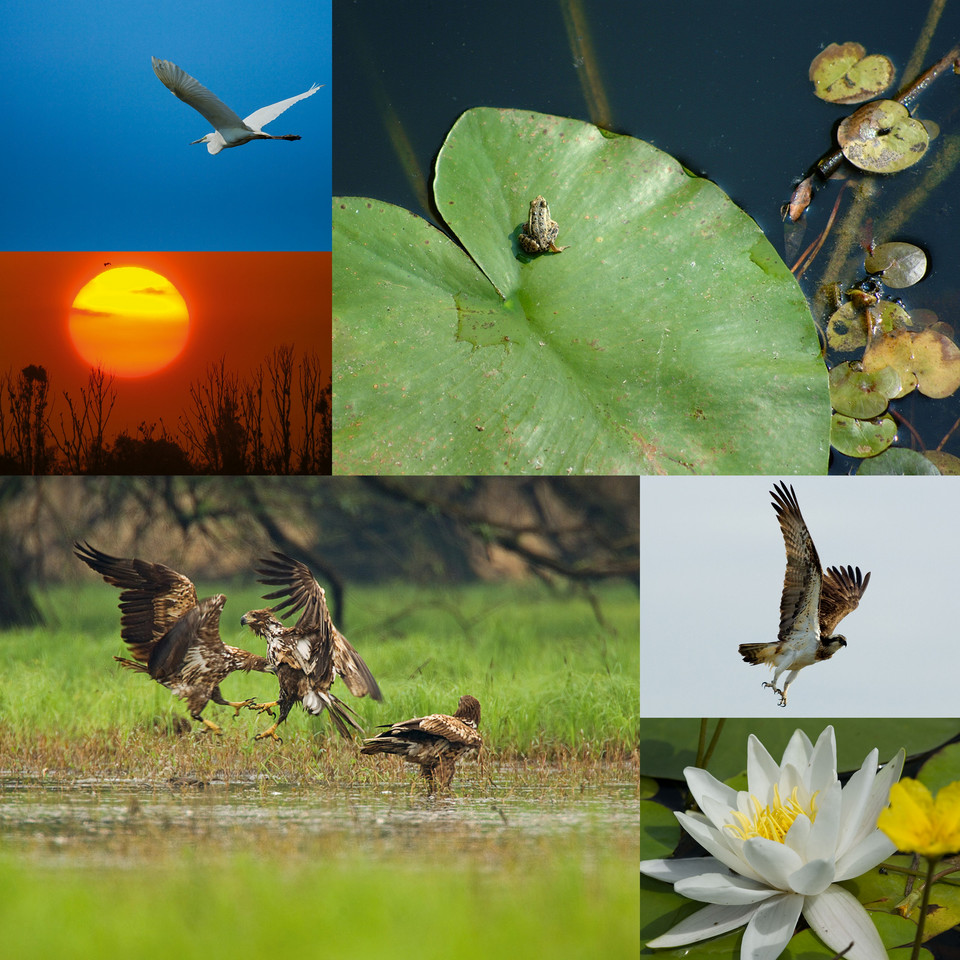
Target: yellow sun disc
x=129, y=320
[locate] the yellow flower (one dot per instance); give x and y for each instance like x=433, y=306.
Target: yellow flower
x=917, y=823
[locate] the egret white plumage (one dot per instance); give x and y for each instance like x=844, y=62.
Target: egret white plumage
x=229, y=129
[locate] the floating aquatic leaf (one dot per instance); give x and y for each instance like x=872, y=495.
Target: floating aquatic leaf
x=847, y=328
x=946, y=463
x=898, y=462
x=862, y=438
x=855, y=393
x=926, y=359
x=900, y=264
x=842, y=74
x=882, y=137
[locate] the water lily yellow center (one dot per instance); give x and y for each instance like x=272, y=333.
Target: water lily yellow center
x=773, y=821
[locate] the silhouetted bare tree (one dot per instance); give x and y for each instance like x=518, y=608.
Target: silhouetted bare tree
x=314, y=453
x=214, y=426
x=280, y=369
x=83, y=444
x=253, y=415
x=28, y=412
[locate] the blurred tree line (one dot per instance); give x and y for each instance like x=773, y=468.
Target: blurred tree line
x=573, y=530
x=275, y=421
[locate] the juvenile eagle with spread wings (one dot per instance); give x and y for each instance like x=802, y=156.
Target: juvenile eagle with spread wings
x=435, y=742
x=813, y=603
x=173, y=637
x=308, y=656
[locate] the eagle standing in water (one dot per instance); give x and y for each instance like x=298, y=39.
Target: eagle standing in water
x=308, y=656
x=173, y=637
x=813, y=603
x=435, y=742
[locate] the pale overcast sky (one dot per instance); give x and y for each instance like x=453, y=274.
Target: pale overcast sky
x=712, y=562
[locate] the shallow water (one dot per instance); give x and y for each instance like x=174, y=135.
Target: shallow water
x=119, y=822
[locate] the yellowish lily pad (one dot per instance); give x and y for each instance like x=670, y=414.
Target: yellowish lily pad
x=856, y=393
x=848, y=328
x=862, y=438
x=927, y=359
x=882, y=137
x=843, y=74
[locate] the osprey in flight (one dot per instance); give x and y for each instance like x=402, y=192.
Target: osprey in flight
x=435, y=742
x=173, y=637
x=308, y=656
x=814, y=601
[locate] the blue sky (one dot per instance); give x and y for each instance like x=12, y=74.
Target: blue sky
x=97, y=152
x=711, y=572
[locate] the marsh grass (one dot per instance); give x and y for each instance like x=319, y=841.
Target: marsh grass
x=556, y=688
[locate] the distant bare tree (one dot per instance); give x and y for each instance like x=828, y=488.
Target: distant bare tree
x=280, y=369
x=28, y=411
x=83, y=443
x=253, y=415
x=214, y=427
x=314, y=453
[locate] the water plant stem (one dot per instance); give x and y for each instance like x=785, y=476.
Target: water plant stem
x=924, y=903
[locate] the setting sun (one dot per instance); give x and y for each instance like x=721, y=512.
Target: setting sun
x=129, y=320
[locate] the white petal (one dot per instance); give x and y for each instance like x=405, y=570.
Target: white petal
x=822, y=842
x=673, y=870
x=703, y=784
x=798, y=836
x=711, y=921
x=771, y=928
x=762, y=771
x=838, y=919
x=708, y=837
x=772, y=861
x=880, y=793
x=822, y=769
x=865, y=855
x=856, y=792
x=726, y=887
x=813, y=877
x=799, y=751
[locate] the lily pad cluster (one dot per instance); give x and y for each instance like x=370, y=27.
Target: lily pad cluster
x=901, y=353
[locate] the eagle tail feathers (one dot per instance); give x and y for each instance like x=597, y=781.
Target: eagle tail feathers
x=756, y=652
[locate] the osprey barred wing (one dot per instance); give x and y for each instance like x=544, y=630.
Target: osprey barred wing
x=800, y=601
x=841, y=593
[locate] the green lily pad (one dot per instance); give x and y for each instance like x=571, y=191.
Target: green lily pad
x=882, y=137
x=926, y=359
x=855, y=393
x=900, y=264
x=842, y=73
x=942, y=768
x=898, y=462
x=659, y=831
x=862, y=438
x=668, y=337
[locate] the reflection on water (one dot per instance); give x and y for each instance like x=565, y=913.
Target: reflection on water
x=122, y=821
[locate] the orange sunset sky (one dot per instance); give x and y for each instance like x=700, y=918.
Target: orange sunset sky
x=241, y=306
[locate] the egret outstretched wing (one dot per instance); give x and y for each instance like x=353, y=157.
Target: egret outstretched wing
x=260, y=118
x=194, y=93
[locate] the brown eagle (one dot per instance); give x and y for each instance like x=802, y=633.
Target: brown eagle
x=308, y=656
x=173, y=637
x=813, y=602
x=435, y=742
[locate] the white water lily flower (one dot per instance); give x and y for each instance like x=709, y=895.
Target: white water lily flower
x=780, y=848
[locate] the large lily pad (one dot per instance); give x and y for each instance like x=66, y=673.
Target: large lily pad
x=668, y=337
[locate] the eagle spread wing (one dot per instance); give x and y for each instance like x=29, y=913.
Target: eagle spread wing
x=800, y=601
x=842, y=589
x=153, y=598
x=315, y=637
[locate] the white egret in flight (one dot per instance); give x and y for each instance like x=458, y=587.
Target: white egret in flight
x=229, y=129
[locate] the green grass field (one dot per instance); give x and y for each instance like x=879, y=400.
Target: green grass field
x=554, y=684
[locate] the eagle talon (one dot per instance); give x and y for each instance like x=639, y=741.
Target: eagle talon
x=238, y=706
x=263, y=707
x=271, y=732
